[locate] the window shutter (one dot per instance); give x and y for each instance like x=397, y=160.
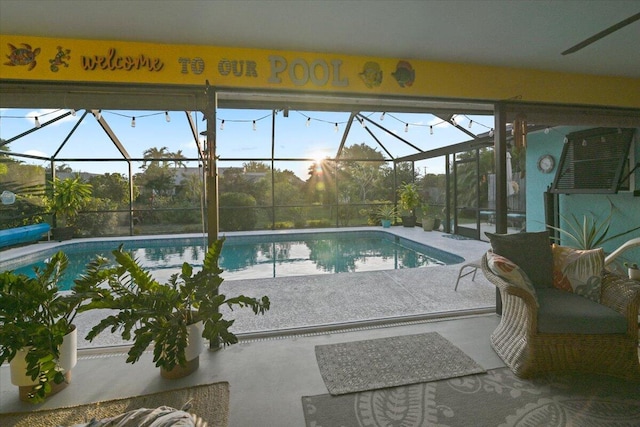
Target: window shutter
x=592, y=161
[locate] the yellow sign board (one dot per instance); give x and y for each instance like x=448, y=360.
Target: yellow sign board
x=70, y=60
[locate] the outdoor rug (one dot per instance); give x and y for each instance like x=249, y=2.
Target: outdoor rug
x=497, y=398
x=210, y=402
x=388, y=362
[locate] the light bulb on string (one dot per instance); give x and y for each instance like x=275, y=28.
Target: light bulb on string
x=470, y=123
x=37, y=122
x=99, y=115
x=430, y=130
x=491, y=133
x=382, y=116
x=222, y=125
x=453, y=121
x=254, y=125
x=133, y=122
x=336, y=127
x=566, y=140
x=73, y=112
x=167, y=117
x=546, y=131
x=364, y=125
x=406, y=127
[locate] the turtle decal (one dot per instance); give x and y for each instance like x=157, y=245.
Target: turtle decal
x=24, y=55
x=405, y=75
x=61, y=58
x=371, y=74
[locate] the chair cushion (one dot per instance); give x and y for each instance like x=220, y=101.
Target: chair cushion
x=529, y=251
x=567, y=313
x=510, y=272
x=578, y=271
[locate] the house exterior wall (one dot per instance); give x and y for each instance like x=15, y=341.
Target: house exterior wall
x=625, y=207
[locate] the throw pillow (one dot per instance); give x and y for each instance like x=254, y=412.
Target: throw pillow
x=530, y=251
x=510, y=272
x=578, y=271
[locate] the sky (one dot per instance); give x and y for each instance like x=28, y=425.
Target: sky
x=301, y=135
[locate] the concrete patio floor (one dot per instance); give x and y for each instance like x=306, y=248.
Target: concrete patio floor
x=274, y=364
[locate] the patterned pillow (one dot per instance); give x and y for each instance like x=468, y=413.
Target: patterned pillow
x=578, y=271
x=531, y=251
x=510, y=272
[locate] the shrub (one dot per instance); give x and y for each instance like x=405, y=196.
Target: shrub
x=237, y=212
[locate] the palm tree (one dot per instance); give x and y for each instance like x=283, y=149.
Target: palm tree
x=154, y=155
x=178, y=158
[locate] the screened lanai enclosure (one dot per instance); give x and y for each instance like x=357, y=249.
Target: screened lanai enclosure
x=283, y=161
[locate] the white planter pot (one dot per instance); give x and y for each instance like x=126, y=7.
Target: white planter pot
x=196, y=343
x=68, y=359
x=192, y=352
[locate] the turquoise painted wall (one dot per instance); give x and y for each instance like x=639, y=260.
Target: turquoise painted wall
x=625, y=207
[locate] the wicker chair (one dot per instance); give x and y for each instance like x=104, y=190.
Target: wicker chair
x=529, y=352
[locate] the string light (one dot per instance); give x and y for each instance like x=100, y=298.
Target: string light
x=430, y=130
x=363, y=123
x=167, y=117
x=382, y=116
x=453, y=121
x=491, y=133
x=336, y=127
x=37, y=122
x=546, y=131
x=222, y=125
x=73, y=112
x=566, y=140
x=254, y=125
x=406, y=127
x=133, y=122
x=99, y=115
x=470, y=123
x=308, y=123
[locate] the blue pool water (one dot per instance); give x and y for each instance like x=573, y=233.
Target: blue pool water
x=258, y=256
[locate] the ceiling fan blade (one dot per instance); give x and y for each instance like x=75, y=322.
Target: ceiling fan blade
x=602, y=34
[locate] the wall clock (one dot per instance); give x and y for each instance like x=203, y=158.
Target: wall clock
x=546, y=163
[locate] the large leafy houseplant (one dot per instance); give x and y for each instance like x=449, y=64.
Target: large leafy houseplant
x=35, y=317
x=149, y=311
x=70, y=195
x=409, y=201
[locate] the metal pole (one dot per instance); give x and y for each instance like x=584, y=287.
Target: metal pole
x=211, y=170
x=500, y=151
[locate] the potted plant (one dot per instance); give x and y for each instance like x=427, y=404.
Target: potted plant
x=37, y=335
x=409, y=201
x=162, y=313
x=588, y=233
x=427, y=220
x=388, y=214
x=633, y=270
x=69, y=196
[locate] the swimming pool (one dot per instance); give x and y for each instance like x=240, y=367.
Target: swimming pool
x=257, y=256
